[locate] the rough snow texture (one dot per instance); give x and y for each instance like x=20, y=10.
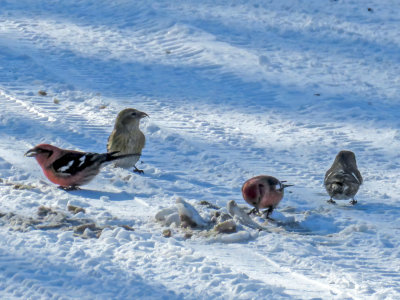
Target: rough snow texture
x=233, y=91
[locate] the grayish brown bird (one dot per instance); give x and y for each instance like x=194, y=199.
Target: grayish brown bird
x=127, y=138
x=263, y=192
x=343, y=179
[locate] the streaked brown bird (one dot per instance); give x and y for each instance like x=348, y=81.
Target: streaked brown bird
x=263, y=192
x=343, y=179
x=127, y=138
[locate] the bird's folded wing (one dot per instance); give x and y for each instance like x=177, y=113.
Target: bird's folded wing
x=72, y=163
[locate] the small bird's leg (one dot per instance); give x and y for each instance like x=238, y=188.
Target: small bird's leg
x=254, y=211
x=136, y=170
x=331, y=201
x=69, y=188
x=268, y=212
x=353, y=201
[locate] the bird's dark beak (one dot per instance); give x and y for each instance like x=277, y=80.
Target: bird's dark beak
x=31, y=153
x=143, y=115
x=286, y=185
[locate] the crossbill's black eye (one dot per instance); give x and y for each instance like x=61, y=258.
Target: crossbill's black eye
x=134, y=114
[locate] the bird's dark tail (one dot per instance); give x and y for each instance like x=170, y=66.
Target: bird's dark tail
x=336, y=188
x=111, y=155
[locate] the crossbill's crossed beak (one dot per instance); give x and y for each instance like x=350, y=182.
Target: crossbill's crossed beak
x=285, y=185
x=31, y=153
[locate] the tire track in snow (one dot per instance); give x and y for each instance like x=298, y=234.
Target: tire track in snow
x=259, y=267
x=37, y=113
x=123, y=52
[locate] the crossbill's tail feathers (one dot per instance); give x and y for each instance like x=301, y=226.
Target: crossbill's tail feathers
x=111, y=156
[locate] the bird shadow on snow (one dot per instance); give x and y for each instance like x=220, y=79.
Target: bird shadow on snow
x=180, y=175
x=97, y=194
x=313, y=225
x=372, y=208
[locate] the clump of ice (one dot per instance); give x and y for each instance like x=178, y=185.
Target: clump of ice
x=188, y=215
x=242, y=217
x=230, y=225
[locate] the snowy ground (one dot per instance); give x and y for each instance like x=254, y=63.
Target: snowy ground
x=233, y=91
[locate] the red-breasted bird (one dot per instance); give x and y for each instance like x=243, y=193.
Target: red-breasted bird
x=263, y=192
x=343, y=179
x=68, y=168
x=127, y=138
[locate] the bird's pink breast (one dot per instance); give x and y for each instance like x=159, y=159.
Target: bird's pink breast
x=270, y=198
x=249, y=191
x=55, y=179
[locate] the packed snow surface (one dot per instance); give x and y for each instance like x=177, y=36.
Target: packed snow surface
x=234, y=89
